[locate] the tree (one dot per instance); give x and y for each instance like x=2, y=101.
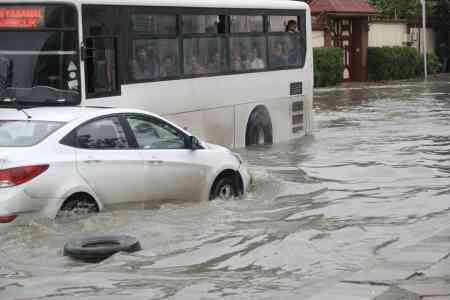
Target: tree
x=409, y=10
x=441, y=23
x=441, y=14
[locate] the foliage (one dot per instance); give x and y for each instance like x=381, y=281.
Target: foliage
x=393, y=63
x=410, y=10
x=434, y=65
x=441, y=20
x=328, y=66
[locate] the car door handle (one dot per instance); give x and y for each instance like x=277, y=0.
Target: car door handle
x=154, y=162
x=92, y=161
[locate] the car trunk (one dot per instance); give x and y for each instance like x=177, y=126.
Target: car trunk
x=8, y=155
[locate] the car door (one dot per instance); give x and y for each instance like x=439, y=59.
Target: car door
x=112, y=168
x=173, y=172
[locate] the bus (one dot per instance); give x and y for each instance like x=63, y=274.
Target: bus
x=233, y=72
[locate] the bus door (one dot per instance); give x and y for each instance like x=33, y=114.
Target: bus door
x=100, y=58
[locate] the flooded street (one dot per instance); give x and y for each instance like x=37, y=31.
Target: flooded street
x=375, y=177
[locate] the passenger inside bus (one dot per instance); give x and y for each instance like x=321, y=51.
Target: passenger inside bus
x=254, y=61
x=216, y=62
x=145, y=64
x=168, y=67
x=197, y=66
x=279, y=55
x=236, y=59
x=291, y=26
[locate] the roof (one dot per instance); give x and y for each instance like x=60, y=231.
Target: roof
x=249, y=4
x=62, y=113
x=55, y=113
x=342, y=7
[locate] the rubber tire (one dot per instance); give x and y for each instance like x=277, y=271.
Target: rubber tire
x=98, y=248
x=221, y=183
x=258, y=122
x=78, y=201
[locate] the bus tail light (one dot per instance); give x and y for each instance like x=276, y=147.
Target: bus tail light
x=15, y=176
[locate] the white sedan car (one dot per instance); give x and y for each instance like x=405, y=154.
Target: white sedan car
x=59, y=159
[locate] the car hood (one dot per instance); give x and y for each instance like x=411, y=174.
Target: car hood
x=215, y=147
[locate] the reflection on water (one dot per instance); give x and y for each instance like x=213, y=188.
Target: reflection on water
x=374, y=176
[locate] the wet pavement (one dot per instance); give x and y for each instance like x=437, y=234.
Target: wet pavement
x=359, y=211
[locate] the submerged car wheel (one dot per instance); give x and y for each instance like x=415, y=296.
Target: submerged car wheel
x=98, y=248
x=224, y=189
x=78, y=204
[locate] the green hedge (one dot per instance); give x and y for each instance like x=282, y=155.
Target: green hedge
x=433, y=62
x=328, y=66
x=393, y=63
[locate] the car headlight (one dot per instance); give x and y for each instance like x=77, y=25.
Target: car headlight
x=238, y=157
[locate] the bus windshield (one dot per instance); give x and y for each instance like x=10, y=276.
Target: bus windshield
x=39, y=61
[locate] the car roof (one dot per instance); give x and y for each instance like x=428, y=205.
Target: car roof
x=61, y=113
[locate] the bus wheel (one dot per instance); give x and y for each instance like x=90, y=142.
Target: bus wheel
x=259, y=128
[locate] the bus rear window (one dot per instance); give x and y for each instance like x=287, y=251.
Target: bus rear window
x=17, y=133
x=37, y=17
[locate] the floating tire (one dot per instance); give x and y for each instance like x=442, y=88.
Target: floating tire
x=98, y=248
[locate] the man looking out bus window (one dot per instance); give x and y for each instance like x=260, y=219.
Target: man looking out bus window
x=291, y=26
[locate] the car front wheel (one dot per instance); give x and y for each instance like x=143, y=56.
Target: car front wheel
x=224, y=189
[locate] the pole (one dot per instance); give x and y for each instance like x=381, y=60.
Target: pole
x=424, y=28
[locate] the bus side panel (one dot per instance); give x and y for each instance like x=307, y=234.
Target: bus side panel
x=220, y=125
x=190, y=121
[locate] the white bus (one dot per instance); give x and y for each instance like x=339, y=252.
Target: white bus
x=233, y=72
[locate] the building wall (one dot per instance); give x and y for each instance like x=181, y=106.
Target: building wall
x=417, y=39
x=387, y=34
x=318, y=39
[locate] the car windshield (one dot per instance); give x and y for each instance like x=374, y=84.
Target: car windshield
x=39, y=61
x=18, y=133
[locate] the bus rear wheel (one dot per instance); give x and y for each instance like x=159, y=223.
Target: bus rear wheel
x=259, y=128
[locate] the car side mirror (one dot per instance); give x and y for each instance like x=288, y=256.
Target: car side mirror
x=193, y=143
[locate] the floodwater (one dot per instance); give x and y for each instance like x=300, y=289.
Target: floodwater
x=374, y=177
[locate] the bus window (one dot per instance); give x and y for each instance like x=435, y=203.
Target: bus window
x=248, y=53
x=288, y=49
x=60, y=17
x=152, y=59
x=205, y=55
x=280, y=23
x=101, y=67
x=240, y=23
x=102, y=30
x=154, y=24
x=284, y=50
x=203, y=24
x=39, y=53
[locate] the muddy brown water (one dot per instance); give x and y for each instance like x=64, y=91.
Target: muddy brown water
x=375, y=176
